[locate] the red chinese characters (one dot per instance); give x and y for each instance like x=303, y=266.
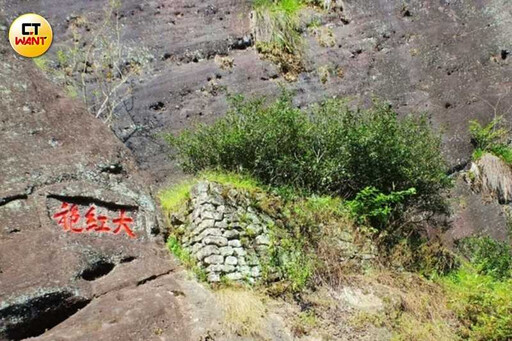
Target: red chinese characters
x=69, y=218
x=122, y=223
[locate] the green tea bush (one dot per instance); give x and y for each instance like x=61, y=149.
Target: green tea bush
x=330, y=149
x=376, y=208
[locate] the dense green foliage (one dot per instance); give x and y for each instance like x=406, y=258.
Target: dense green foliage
x=480, y=290
x=376, y=208
x=491, y=138
x=490, y=257
x=482, y=303
x=331, y=149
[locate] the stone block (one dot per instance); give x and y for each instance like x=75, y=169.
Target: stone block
x=213, y=277
x=207, y=214
x=207, y=251
x=207, y=232
x=226, y=268
x=239, y=251
x=214, y=259
x=215, y=268
x=254, y=229
x=215, y=240
x=254, y=218
x=245, y=270
x=226, y=250
x=200, y=188
x=230, y=260
x=255, y=271
x=202, y=198
x=217, y=200
x=221, y=224
x=235, y=243
x=231, y=234
x=205, y=223
x=262, y=240
x=196, y=247
x=234, y=276
x=217, y=216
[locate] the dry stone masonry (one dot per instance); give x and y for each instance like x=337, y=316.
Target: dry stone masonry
x=224, y=232
x=229, y=236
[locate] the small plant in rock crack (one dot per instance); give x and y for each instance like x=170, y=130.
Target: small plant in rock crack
x=491, y=138
x=278, y=39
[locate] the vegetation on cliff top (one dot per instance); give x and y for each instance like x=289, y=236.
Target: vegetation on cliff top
x=329, y=149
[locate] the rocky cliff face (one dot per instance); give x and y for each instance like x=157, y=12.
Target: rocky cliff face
x=77, y=221
x=447, y=58
x=77, y=225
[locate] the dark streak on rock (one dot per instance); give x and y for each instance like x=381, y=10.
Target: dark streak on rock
x=152, y=278
x=97, y=270
x=86, y=201
x=458, y=167
x=8, y=199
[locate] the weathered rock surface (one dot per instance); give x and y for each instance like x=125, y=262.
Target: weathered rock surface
x=481, y=200
x=75, y=274
x=71, y=284
x=493, y=177
x=447, y=58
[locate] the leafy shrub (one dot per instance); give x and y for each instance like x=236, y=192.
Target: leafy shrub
x=372, y=206
x=330, y=150
x=288, y=258
x=491, y=138
x=490, y=257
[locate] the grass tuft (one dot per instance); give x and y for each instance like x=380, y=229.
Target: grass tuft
x=277, y=33
x=244, y=311
x=174, y=197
